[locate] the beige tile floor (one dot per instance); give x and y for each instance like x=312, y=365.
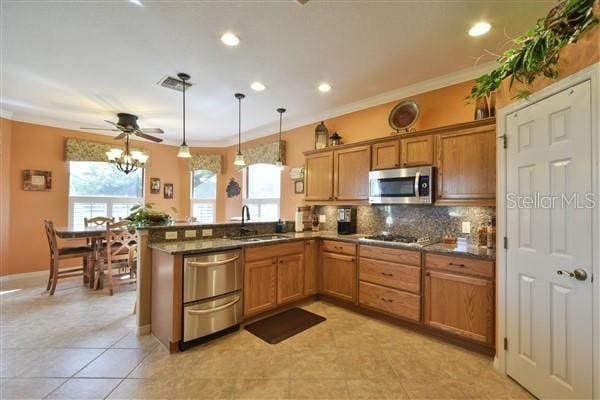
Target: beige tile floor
x=80, y=344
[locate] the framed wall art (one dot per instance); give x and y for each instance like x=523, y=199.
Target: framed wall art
x=298, y=187
x=34, y=180
x=155, y=185
x=168, y=191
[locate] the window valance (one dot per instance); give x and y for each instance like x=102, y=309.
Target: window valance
x=87, y=150
x=264, y=153
x=209, y=162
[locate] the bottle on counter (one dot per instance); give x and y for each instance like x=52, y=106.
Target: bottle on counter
x=491, y=234
x=299, y=220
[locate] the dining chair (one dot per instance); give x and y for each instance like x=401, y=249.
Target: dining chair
x=120, y=254
x=95, y=222
x=62, y=253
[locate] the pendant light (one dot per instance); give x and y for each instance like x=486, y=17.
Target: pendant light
x=184, y=150
x=239, y=158
x=279, y=163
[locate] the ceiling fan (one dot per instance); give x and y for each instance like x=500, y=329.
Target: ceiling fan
x=127, y=124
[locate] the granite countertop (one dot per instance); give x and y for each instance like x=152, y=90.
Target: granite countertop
x=183, y=225
x=208, y=245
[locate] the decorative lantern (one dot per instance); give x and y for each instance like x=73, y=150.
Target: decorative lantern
x=335, y=139
x=321, y=136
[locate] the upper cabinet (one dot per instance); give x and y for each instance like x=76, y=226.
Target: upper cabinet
x=385, y=155
x=319, y=176
x=466, y=165
x=416, y=151
x=351, y=173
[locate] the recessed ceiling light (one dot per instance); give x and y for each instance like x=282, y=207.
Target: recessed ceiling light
x=324, y=87
x=230, y=39
x=259, y=87
x=480, y=28
x=137, y=3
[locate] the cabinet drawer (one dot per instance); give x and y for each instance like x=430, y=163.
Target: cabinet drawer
x=460, y=265
x=274, y=250
x=398, y=276
x=407, y=257
x=334, y=246
x=392, y=301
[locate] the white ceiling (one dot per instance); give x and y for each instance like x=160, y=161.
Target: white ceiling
x=73, y=64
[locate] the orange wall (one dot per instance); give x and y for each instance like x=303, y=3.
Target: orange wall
x=5, y=139
x=439, y=107
x=42, y=147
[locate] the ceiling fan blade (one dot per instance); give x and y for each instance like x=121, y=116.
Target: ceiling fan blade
x=121, y=136
x=152, y=130
x=100, y=129
x=143, y=135
x=119, y=127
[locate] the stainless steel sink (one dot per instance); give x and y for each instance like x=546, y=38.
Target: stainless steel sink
x=260, y=238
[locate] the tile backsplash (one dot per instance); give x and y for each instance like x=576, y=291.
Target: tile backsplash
x=414, y=220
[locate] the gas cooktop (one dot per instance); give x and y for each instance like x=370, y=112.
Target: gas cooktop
x=387, y=237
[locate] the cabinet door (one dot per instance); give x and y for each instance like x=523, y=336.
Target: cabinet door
x=290, y=278
x=461, y=305
x=319, y=176
x=338, y=275
x=311, y=262
x=260, y=286
x=416, y=151
x=351, y=173
x=385, y=155
x=466, y=162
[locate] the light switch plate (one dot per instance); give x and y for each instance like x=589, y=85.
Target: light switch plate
x=190, y=234
x=466, y=227
x=206, y=232
x=322, y=218
x=171, y=235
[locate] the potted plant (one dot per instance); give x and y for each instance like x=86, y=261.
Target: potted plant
x=145, y=214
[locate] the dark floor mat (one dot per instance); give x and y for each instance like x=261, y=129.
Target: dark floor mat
x=279, y=327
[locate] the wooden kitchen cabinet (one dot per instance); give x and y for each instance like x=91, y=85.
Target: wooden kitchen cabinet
x=466, y=166
x=385, y=155
x=311, y=263
x=290, y=278
x=338, y=275
x=351, y=173
x=460, y=304
x=318, y=176
x=416, y=151
x=260, y=286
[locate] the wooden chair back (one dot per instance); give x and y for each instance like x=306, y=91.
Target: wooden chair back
x=120, y=241
x=51, y=235
x=98, y=221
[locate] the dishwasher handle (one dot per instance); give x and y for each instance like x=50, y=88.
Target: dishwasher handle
x=212, y=263
x=219, y=308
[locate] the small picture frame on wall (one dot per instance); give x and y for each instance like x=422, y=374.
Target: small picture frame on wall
x=155, y=185
x=37, y=181
x=168, y=191
x=298, y=187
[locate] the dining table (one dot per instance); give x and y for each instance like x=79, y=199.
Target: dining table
x=95, y=235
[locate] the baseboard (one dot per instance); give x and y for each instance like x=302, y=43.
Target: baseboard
x=144, y=330
x=25, y=275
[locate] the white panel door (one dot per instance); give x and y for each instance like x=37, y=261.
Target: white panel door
x=549, y=312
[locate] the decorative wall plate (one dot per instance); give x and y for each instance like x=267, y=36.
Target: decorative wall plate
x=404, y=115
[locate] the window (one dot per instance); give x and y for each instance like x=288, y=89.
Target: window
x=204, y=195
x=263, y=189
x=99, y=189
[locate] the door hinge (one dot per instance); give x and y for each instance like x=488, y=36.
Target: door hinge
x=504, y=141
x=505, y=343
x=505, y=242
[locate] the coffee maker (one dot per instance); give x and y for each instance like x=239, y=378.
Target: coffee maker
x=346, y=220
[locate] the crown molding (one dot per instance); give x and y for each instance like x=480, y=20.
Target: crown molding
x=386, y=97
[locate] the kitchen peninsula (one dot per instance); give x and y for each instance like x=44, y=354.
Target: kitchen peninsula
x=407, y=283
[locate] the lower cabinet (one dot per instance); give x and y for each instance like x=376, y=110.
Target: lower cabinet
x=338, y=275
x=260, y=286
x=311, y=267
x=460, y=304
x=290, y=278
x=392, y=301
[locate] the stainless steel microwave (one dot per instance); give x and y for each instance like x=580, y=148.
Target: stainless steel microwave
x=401, y=186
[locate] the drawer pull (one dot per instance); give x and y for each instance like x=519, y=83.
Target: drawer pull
x=451, y=264
x=387, y=274
x=212, y=263
x=387, y=300
x=219, y=308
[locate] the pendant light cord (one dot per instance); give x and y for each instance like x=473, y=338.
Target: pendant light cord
x=239, y=125
x=280, y=111
x=184, y=113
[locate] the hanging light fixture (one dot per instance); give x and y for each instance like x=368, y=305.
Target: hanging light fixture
x=279, y=163
x=184, y=150
x=127, y=161
x=239, y=158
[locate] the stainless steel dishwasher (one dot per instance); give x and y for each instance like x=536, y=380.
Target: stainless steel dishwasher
x=212, y=294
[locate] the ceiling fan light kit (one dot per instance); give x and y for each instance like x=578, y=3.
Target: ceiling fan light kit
x=184, y=150
x=239, y=157
x=126, y=161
